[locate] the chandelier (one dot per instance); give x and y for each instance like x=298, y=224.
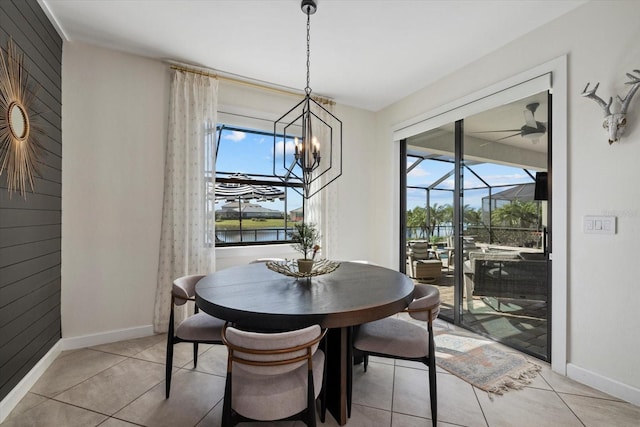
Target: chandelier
x=310, y=137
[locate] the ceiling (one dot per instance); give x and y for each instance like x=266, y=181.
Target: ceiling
x=363, y=54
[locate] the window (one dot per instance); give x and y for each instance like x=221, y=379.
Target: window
x=247, y=202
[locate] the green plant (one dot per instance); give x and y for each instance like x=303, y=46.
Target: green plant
x=305, y=239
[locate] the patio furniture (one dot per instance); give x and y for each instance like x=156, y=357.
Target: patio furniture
x=427, y=270
x=399, y=339
x=424, y=263
x=516, y=275
x=198, y=328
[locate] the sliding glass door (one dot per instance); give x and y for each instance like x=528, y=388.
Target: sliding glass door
x=476, y=198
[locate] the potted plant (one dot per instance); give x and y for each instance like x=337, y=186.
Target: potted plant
x=305, y=240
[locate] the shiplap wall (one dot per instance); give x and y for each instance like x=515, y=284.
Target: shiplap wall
x=30, y=229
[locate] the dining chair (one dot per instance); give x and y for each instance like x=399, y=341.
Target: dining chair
x=273, y=376
x=400, y=339
x=197, y=328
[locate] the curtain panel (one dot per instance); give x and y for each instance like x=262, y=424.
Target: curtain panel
x=322, y=208
x=189, y=161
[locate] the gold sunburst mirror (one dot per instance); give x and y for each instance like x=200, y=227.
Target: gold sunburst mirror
x=19, y=146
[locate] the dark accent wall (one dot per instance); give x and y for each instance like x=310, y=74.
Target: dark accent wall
x=30, y=230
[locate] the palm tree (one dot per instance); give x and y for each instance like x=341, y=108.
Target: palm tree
x=516, y=214
x=435, y=217
x=471, y=215
x=417, y=218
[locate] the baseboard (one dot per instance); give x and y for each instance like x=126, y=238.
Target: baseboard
x=607, y=385
x=19, y=391
x=83, y=341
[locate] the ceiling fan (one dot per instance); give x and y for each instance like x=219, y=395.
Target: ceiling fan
x=532, y=128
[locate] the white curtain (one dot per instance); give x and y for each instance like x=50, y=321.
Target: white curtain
x=322, y=208
x=183, y=248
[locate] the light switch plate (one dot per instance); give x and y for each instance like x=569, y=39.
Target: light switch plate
x=593, y=224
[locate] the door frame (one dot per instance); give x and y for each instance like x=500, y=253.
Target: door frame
x=554, y=73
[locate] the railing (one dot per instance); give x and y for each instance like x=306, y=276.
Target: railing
x=506, y=236
x=441, y=231
x=252, y=235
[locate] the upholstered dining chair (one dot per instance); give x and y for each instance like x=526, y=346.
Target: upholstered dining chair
x=197, y=328
x=273, y=376
x=400, y=339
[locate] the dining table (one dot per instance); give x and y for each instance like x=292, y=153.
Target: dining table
x=254, y=297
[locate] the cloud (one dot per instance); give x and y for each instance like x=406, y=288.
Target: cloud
x=235, y=136
x=289, y=149
x=448, y=183
x=418, y=172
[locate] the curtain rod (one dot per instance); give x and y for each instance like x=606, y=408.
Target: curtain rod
x=249, y=83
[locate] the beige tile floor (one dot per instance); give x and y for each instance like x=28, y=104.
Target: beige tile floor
x=122, y=384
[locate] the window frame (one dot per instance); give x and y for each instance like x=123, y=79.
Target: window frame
x=272, y=179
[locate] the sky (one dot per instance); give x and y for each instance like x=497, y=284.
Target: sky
x=427, y=172
x=252, y=153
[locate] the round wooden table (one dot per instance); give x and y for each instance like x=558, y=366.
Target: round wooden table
x=255, y=297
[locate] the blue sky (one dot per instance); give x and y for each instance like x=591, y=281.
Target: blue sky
x=253, y=154
x=428, y=172
x=250, y=153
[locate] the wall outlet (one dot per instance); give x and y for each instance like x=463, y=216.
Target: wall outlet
x=599, y=224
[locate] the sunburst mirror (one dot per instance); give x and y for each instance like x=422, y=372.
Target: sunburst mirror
x=19, y=146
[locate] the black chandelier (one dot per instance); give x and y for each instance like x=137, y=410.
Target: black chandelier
x=316, y=135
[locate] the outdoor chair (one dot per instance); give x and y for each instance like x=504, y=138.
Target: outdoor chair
x=197, y=328
x=399, y=339
x=273, y=376
x=424, y=264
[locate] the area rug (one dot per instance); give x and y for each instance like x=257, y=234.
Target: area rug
x=482, y=364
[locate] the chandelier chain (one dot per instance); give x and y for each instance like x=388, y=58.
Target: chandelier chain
x=308, y=88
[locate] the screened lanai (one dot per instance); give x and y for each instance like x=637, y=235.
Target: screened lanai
x=476, y=200
x=507, y=211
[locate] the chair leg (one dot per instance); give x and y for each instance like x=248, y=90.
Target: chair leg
x=169, y=366
x=349, y=369
x=169, y=360
x=311, y=400
x=433, y=393
x=433, y=389
x=195, y=355
x=226, y=405
x=323, y=391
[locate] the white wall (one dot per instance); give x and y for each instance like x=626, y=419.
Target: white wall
x=115, y=109
x=114, y=114
x=601, y=41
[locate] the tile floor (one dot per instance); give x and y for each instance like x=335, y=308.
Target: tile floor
x=122, y=384
x=519, y=323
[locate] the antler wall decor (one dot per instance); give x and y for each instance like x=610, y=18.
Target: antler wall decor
x=615, y=123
